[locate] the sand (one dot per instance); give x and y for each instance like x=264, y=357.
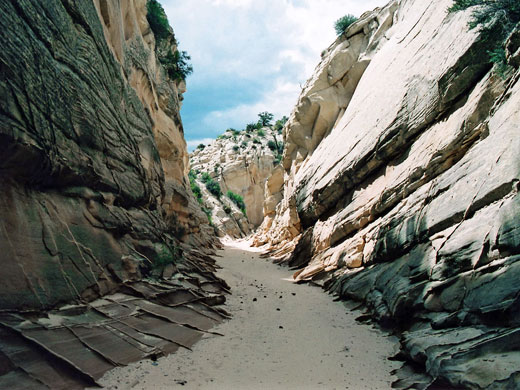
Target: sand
x=281, y=336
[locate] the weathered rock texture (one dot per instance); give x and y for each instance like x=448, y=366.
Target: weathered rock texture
x=240, y=163
x=401, y=188
x=93, y=183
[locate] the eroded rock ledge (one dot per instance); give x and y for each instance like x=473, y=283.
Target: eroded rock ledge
x=401, y=188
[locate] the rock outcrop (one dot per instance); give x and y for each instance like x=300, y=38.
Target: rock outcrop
x=240, y=162
x=95, y=197
x=401, y=188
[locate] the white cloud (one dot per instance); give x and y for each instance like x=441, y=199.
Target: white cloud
x=192, y=144
x=272, y=43
x=279, y=102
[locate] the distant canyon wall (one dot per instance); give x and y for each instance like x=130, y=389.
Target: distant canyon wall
x=240, y=163
x=400, y=190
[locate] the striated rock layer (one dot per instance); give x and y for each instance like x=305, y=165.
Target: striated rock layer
x=94, y=194
x=240, y=162
x=401, y=188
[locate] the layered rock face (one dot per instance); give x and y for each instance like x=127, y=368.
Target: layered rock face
x=93, y=183
x=240, y=162
x=401, y=188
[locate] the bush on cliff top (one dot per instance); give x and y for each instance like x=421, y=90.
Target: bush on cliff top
x=342, y=23
x=157, y=20
x=506, y=13
x=176, y=63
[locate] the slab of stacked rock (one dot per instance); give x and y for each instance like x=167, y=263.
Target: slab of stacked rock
x=401, y=188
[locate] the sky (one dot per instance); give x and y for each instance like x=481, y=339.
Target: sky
x=250, y=56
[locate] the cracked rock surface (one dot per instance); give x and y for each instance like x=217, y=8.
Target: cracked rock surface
x=401, y=189
x=94, y=198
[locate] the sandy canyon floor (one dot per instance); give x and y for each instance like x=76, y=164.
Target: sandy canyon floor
x=281, y=336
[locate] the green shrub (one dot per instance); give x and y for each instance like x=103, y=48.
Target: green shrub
x=163, y=257
x=256, y=141
x=227, y=209
x=280, y=123
x=177, y=64
x=238, y=200
x=506, y=13
x=244, y=144
x=252, y=127
x=235, y=148
x=201, y=146
x=277, y=160
x=343, y=23
x=265, y=118
x=236, y=132
x=214, y=188
x=208, y=214
x=261, y=133
x=157, y=20
x=195, y=187
x=205, y=177
x=271, y=145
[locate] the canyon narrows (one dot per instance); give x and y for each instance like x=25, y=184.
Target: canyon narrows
x=393, y=186
x=271, y=343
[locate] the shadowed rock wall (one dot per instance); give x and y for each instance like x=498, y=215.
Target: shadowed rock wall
x=93, y=187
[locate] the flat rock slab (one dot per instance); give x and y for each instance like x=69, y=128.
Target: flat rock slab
x=281, y=336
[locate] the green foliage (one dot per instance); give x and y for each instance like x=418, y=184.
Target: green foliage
x=236, y=132
x=277, y=160
x=205, y=177
x=343, y=23
x=208, y=214
x=265, y=118
x=235, y=148
x=256, y=141
x=244, y=144
x=495, y=19
x=271, y=145
x=201, y=146
x=227, y=209
x=195, y=187
x=163, y=257
x=253, y=126
x=507, y=10
x=498, y=57
x=261, y=133
x=157, y=20
x=216, y=168
x=238, y=200
x=280, y=123
x=214, y=188
x=176, y=64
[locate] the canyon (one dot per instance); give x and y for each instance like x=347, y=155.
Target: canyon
x=397, y=192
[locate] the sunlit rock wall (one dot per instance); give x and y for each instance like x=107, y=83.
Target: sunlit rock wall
x=401, y=187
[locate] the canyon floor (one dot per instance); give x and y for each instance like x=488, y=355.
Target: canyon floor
x=281, y=336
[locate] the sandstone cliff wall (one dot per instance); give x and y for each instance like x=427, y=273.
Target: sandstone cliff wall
x=94, y=193
x=401, y=188
x=240, y=163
